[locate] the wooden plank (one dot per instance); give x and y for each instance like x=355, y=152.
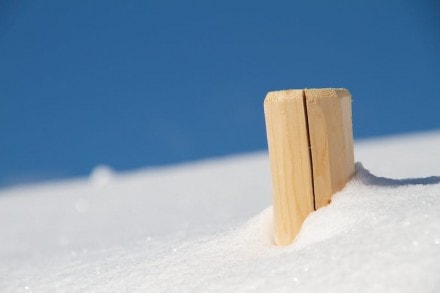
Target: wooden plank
x=331, y=140
x=287, y=137
x=310, y=141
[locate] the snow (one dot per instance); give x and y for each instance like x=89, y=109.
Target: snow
x=207, y=226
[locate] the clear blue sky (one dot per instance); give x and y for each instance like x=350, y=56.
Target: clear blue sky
x=132, y=84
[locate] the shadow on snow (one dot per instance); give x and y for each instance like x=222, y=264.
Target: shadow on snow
x=367, y=178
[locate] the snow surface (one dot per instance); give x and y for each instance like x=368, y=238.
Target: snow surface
x=207, y=226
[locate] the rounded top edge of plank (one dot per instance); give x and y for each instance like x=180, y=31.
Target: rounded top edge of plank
x=283, y=95
x=324, y=92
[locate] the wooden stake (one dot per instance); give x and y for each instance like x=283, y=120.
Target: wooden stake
x=287, y=137
x=331, y=141
x=310, y=141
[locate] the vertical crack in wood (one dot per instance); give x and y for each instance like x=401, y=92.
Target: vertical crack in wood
x=310, y=148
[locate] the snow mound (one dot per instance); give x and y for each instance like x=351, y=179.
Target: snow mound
x=207, y=226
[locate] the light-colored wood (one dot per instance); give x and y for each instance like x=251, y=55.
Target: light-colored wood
x=287, y=137
x=331, y=140
x=310, y=141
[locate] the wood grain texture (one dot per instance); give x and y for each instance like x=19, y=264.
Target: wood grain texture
x=287, y=137
x=331, y=140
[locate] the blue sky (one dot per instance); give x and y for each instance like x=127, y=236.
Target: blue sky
x=132, y=84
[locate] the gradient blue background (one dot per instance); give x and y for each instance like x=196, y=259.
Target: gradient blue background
x=140, y=83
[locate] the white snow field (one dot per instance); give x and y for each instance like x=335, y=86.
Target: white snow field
x=207, y=227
